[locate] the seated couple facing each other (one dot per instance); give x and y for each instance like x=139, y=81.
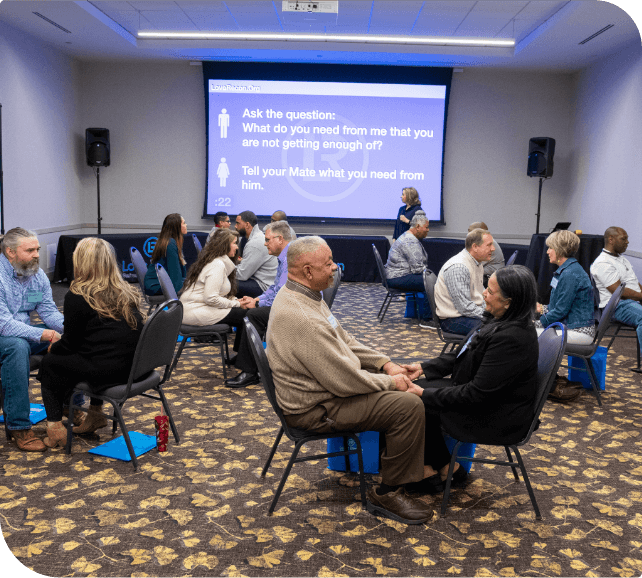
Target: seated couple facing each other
x=327, y=381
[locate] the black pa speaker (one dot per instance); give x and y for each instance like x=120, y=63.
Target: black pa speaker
x=540, y=157
x=97, y=147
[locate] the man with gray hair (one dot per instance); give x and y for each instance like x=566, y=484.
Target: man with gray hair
x=277, y=240
x=497, y=260
x=407, y=260
x=460, y=284
x=24, y=287
x=327, y=381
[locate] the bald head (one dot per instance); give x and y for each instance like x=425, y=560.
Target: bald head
x=279, y=216
x=478, y=225
x=616, y=240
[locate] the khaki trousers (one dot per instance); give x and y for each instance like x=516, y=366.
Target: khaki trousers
x=400, y=416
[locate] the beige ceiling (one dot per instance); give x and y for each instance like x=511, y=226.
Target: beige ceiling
x=547, y=33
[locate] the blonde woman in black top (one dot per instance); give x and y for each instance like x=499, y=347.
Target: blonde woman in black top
x=102, y=324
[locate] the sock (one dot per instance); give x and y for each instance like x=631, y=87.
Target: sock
x=384, y=489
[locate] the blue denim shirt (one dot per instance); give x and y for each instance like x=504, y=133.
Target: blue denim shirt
x=572, y=299
x=267, y=298
x=19, y=296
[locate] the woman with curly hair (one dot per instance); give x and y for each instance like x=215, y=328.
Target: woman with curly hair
x=103, y=321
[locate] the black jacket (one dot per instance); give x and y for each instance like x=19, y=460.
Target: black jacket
x=493, y=390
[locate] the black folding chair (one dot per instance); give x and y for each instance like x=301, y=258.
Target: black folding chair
x=298, y=436
x=511, y=259
x=155, y=349
x=585, y=352
x=551, y=351
x=140, y=268
x=198, y=335
x=391, y=293
x=449, y=339
x=330, y=293
x=197, y=244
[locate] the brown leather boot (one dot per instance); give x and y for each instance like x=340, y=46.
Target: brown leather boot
x=56, y=435
x=27, y=441
x=93, y=420
x=78, y=415
x=563, y=392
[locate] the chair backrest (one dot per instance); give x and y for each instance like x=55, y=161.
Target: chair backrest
x=382, y=269
x=607, y=314
x=552, y=343
x=597, y=313
x=330, y=293
x=167, y=287
x=430, y=280
x=511, y=259
x=197, y=243
x=157, y=341
x=261, y=360
x=140, y=267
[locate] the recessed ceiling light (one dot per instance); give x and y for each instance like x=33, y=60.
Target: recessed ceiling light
x=362, y=38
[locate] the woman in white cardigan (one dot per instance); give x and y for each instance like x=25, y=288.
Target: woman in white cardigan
x=210, y=287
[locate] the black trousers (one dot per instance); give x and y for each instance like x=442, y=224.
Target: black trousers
x=436, y=452
x=258, y=317
x=235, y=319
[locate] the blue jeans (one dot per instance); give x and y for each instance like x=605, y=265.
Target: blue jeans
x=412, y=283
x=460, y=325
x=14, y=355
x=629, y=312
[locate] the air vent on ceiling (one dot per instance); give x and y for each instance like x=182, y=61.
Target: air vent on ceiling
x=596, y=34
x=52, y=22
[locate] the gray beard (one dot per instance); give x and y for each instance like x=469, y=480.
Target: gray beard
x=27, y=269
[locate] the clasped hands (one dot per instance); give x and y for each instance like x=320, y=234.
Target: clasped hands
x=404, y=375
x=248, y=302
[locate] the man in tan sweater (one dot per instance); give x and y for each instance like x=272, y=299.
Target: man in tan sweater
x=327, y=381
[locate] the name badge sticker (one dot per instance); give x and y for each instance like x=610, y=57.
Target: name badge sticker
x=34, y=297
x=554, y=282
x=466, y=344
x=332, y=321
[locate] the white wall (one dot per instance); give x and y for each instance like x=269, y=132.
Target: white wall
x=41, y=157
x=156, y=115
x=606, y=168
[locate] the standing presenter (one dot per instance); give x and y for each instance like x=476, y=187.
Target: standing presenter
x=410, y=197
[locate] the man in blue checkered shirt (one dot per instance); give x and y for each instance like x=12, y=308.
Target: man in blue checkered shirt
x=24, y=287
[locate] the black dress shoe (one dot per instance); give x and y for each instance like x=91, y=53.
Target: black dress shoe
x=431, y=485
x=460, y=477
x=243, y=379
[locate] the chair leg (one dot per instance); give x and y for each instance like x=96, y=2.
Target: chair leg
x=346, y=447
x=223, y=358
x=593, y=379
x=387, y=305
x=362, y=479
x=510, y=459
x=286, y=473
x=168, y=413
x=522, y=467
x=638, y=368
x=177, y=355
x=128, y=442
x=385, y=301
x=274, y=446
x=449, y=479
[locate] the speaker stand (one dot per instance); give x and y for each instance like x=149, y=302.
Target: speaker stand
x=539, y=204
x=98, y=195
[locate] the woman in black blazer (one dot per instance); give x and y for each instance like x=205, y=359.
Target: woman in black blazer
x=493, y=385
x=103, y=322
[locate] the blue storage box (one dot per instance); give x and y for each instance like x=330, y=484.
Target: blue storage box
x=414, y=308
x=577, y=369
x=369, y=450
x=467, y=450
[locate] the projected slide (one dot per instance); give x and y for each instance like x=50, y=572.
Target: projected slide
x=323, y=149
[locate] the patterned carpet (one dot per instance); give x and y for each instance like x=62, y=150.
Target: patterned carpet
x=199, y=509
